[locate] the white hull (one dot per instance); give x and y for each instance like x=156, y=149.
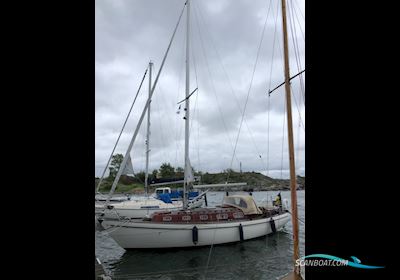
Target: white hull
x=131, y=235
x=137, y=209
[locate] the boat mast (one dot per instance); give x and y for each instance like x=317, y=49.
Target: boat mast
x=296, y=254
x=187, y=164
x=123, y=164
x=148, y=136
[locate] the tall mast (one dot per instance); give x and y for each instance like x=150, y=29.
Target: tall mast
x=123, y=164
x=148, y=135
x=187, y=109
x=296, y=253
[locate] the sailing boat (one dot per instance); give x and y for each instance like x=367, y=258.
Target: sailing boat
x=136, y=208
x=237, y=219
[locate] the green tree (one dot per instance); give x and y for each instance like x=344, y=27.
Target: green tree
x=179, y=172
x=154, y=173
x=167, y=171
x=115, y=164
x=141, y=176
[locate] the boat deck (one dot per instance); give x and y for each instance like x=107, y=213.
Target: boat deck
x=207, y=215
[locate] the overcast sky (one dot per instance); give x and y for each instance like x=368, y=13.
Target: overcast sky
x=225, y=36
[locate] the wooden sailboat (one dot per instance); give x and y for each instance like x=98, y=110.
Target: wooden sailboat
x=237, y=219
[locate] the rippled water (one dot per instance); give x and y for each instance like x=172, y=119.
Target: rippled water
x=264, y=258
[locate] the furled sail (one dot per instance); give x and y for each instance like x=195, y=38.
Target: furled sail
x=128, y=170
x=189, y=172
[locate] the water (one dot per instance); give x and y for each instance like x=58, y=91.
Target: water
x=264, y=258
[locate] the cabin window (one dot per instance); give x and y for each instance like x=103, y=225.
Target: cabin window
x=238, y=215
x=222, y=216
x=159, y=191
x=242, y=204
x=186, y=218
x=167, y=218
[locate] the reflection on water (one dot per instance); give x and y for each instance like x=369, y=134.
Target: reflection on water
x=263, y=258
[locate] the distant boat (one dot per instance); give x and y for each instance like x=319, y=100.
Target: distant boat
x=136, y=208
x=102, y=198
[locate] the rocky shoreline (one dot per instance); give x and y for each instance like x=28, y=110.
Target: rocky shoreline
x=255, y=182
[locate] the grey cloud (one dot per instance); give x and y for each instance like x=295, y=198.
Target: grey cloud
x=129, y=33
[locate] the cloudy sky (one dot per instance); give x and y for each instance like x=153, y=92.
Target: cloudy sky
x=225, y=36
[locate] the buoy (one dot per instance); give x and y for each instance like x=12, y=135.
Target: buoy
x=272, y=223
x=241, y=232
x=195, y=235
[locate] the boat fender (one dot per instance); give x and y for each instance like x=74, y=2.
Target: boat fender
x=100, y=220
x=205, y=199
x=195, y=235
x=272, y=223
x=241, y=232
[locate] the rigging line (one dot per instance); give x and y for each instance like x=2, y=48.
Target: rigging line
x=283, y=137
x=188, y=96
x=298, y=21
x=230, y=85
x=178, y=127
x=123, y=127
x=162, y=96
x=209, y=254
x=269, y=101
x=159, y=122
x=298, y=109
x=269, y=86
x=298, y=218
x=281, y=84
x=168, y=117
x=212, y=81
x=293, y=12
x=196, y=109
x=297, y=147
x=144, y=111
x=273, y=48
x=278, y=37
x=251, y=83
x=293, y=33
x=298, y=7
x=295, y=46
